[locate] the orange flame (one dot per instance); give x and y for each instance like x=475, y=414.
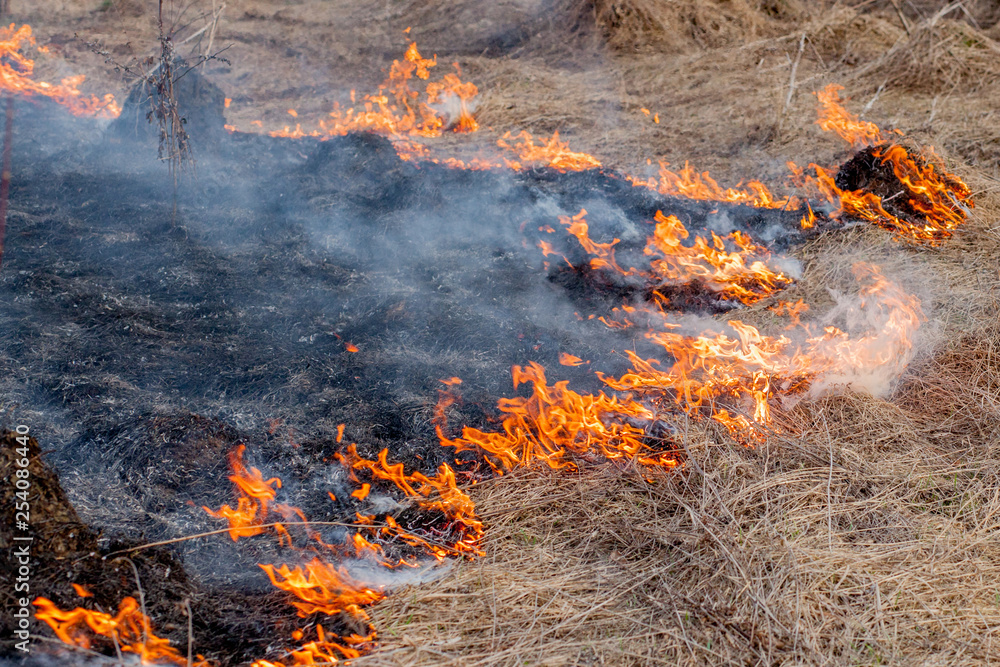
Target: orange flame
x=547, y=153
x=941, y=199
x=15, y=77
x=567, y=359
x=129, y=629
x=321, y=587
x=448, y=499
x=252, y=506
x=321, y=651
x=833, y=117
x=740, y=273
x=690, y=184
x=555, y=423
x=753, y=368
x=397, y=110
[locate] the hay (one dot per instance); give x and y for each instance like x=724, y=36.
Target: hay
x=862, y=531
x=844, y=38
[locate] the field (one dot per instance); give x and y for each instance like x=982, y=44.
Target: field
x=862, y=529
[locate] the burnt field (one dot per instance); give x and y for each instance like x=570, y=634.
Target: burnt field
x=294, y=287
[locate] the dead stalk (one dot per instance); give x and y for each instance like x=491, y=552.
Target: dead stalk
x=791, y=81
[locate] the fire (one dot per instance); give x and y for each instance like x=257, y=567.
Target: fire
x=567, y=359
x=740, y=273
x=547, y=153
x=321, y=587
x=931, y=202
x=833, y=117
x=437, y=494
x=397, y=110
x=252, y=506
x=324, y=586
x=322, y=651
x=752, y=369
x=690, y=184
x=129, y=629
x=556, y=424
x=15, y=77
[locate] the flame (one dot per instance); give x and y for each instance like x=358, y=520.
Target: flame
x=252, y=506
x=325, y=588
x=547, y=153
x=129, y=629
x=752, y=369
x=833, y=117
x=397, y=110
x=740, y=273
x=15, y=77
x=555, y=423
x=328, y=587
x=939, y=201
x=690, y=184
x=321, y=651
x=439, y=493
x=567, y=359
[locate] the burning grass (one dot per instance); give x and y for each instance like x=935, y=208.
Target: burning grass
x=859, y=539
x=855, y=529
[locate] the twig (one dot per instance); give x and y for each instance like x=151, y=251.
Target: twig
x=8, y=137
x=216, y=15
x=150, y=545
x=791, y=80
x=902, y=17
x=872, y=101
x=180, y=43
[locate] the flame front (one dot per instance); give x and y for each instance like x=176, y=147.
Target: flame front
x=397, y=110
x=555, y=423
x=547, y=153
x=15, y=77
x=130, y=630
x=733, y=266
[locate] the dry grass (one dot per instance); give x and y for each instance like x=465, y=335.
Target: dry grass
x=940, y=55
x=863, y=531
x=858, y=540
x=677, y=27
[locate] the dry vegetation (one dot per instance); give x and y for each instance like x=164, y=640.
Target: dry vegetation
x=864, y=531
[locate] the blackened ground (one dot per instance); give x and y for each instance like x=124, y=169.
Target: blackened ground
x=148, y=332
x=867, y=171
